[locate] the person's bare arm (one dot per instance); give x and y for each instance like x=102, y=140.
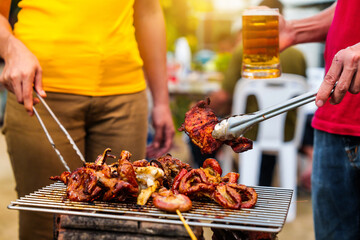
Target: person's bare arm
x=150, y=34
x=345, y=67
x=5, y=8
x=22, y=70
x=311, y=29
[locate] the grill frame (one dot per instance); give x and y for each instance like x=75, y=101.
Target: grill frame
x=268, y=215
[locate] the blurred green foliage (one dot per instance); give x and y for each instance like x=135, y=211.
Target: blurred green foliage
x=181, y=20
x=179, y=106
x=222, y=61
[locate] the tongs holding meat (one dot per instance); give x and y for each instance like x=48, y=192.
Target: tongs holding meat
x=236, y=126
x=199, y=124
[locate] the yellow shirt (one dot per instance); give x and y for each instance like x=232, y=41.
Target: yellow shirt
x=84, y=47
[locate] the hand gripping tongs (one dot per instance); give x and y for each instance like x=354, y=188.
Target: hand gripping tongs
x=236, y=126
x=62, y=128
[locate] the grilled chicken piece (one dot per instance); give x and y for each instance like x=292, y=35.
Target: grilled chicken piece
x=199, y=124
x=118, y=179
x=171, y=166
x=212, y=170
x=141, y=163
x=99, y=181
x=235, y=196
x=149, y=180
x=207, y=182
x=63, y=177
x=82, y=185
x=199, y=182
x=195, y=184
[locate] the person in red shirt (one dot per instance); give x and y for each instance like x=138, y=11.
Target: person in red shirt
x=336, y=163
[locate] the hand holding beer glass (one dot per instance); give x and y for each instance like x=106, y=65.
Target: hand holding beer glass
x=261, y=43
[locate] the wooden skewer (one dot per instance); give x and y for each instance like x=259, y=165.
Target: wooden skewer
x=187, y=227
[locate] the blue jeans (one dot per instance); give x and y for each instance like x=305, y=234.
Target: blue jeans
x=336, y=186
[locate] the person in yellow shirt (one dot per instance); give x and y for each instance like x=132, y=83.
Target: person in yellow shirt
x=92, y=61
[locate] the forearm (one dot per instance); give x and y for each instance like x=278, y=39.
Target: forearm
x=5, y=28
x=150, y=34
x=233, y=73
x=312, y=29
x=22, y=71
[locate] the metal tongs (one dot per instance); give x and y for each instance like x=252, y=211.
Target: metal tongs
x=236, y=126
x=62, y=128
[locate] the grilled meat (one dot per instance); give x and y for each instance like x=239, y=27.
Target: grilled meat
x=158, y=172
x=206, y=182
x=168, y=201
x=141, y=179
x=235, y=196
x=99, y=181
x=199, y=124
x=149, y=179
x=171, y=166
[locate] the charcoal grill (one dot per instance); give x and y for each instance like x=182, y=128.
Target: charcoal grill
x=268, y=215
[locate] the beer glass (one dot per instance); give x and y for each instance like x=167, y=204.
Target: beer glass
x=261, y=43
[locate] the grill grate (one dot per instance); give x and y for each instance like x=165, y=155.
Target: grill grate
x=268, y=215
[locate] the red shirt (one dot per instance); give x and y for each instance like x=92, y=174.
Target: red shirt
x=343, y=118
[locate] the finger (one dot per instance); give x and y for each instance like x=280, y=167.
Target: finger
x=150, y=151
x=169, y=135
x=5, y=80
x=38, y=83
x=355, y=84
x=161, y=145
x=2, y=79
x=159, y=133
x=160, y=152
x=15, y=83
x=27, y=91
x=329, y=81
x=343, y=84
x=36, y=101
x=8, y=87
x=350, y=64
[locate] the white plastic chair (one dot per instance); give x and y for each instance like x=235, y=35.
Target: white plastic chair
x=270, y=137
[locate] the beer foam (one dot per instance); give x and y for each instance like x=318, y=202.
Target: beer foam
x=261, y=12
